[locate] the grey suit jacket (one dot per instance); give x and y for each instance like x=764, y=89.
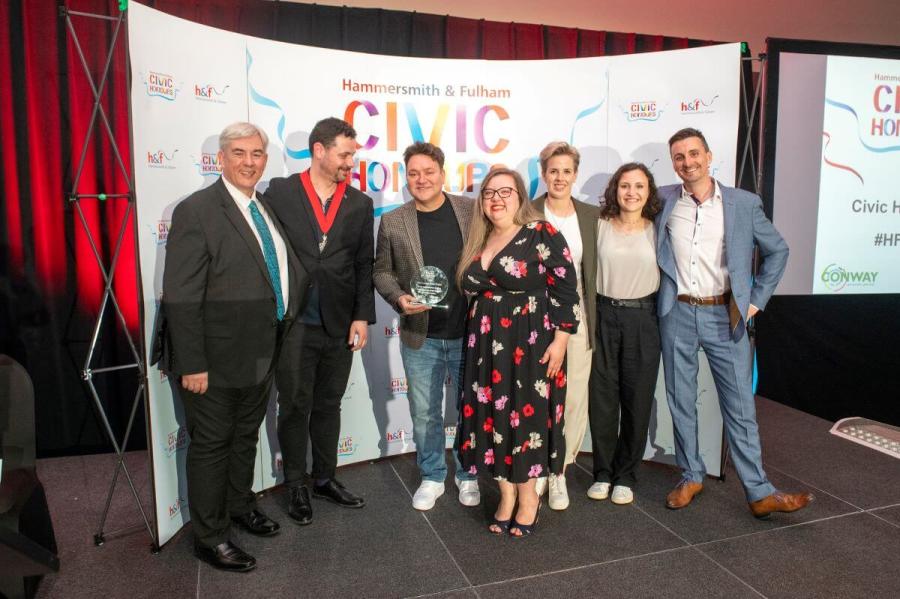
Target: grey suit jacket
x=398, y=257
x=746, y=227
x=587, y=224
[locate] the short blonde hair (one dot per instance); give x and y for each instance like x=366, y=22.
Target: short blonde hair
x=559, y=148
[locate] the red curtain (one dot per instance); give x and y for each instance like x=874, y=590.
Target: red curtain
x=14, y=243
x=46, y=110
x=101, y=171
x=51, y=283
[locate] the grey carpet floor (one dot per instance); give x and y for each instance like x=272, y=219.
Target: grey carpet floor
x=846, y=544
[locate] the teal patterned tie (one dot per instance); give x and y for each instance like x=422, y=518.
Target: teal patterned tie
x=271, y=257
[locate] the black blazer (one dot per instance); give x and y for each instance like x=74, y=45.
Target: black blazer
x=218, y=306
x=343, y=270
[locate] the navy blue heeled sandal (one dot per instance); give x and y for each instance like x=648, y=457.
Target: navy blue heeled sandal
x=503, y=525
x=524, y=529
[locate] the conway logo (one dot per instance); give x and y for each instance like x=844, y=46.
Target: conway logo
x=837, y=278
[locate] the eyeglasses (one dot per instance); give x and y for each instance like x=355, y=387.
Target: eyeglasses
x=503, y=193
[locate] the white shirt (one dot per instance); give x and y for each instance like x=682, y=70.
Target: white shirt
x=568, y=226
x=243, y=204
x=697, y=232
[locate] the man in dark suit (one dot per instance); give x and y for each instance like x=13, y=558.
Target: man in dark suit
x=329, y=224
x=705, y=236
x=231, y=287
x=428, y=231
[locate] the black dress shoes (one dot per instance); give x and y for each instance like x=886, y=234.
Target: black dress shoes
x=300, y=509
x=226, y=556
x=335, y=492
x=257, y=523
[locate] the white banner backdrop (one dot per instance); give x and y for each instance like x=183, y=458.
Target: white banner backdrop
x=189, y=81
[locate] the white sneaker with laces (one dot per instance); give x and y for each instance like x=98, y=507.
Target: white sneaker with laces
x=469, y=494
x=598, y=491
x=621, y=495
x=427, y=494
x=559, y=495
x=540, y=486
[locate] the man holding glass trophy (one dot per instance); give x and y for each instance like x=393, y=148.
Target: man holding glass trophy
x=417, y=251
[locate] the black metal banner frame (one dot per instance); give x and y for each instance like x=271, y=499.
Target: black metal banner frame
x=108, y=270
x=749, y=107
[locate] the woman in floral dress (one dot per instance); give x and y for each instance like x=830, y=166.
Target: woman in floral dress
x=525, y=305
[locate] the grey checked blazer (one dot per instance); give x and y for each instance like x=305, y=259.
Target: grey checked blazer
x=398, y=256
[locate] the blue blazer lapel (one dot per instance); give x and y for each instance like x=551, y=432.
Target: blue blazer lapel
x=730, y=217
x=666, y=257
x=663, y=217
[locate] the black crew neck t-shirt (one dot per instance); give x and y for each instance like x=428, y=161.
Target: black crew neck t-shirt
x=442, y=244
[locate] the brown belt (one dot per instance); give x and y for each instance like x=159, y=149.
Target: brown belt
x=715, y=300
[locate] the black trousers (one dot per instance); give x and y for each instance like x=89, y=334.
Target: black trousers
x=623, y=379
x=224, y=427
x=311, y=378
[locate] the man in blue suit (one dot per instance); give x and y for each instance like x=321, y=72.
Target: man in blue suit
x=706, y=234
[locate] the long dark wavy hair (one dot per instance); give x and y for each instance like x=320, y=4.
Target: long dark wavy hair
x=610, y=205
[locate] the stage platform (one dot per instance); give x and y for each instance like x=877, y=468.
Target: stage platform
x=846, y=544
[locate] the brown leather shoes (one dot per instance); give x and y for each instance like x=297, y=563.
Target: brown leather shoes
x=682, y=494
x=780, y=502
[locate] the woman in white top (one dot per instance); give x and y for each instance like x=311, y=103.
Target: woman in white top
x=577, y=222
x=626, y=358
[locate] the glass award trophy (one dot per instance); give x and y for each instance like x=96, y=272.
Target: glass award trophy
x=430, y=286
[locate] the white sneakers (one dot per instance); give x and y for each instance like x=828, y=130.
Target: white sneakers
x=598, y=491
x=621, y=495
x=427, y=494
x=429, y=491
x=559, y=495
x=540, y=486
x=469, y=495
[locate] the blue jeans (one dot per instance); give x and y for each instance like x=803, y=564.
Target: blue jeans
x=426, y=370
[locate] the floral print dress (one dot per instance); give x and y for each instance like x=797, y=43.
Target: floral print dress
x=511, y=414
